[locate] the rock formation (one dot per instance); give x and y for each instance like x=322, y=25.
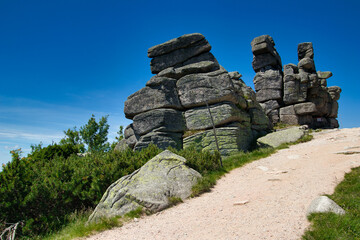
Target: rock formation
x=189, y=82
x=150, y=187
x=297, y=95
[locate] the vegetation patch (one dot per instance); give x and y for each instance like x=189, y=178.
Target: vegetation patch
x=331, y=226
x=281, y=125
x=49, y=189
x=174, y=201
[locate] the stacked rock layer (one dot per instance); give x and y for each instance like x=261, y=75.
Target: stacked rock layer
x=173, y=108
x=297, y=95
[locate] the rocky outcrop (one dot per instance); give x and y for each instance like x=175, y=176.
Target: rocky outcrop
x=298, y=95
x=189, y=83
x=268, y=80
x=150, y=187
x=275, y=139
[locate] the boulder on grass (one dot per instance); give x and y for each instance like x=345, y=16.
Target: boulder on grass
x=324, y=204
x=150, y=187
x=275, y=139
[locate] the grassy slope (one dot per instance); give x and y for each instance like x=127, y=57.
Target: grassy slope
x=332, y=226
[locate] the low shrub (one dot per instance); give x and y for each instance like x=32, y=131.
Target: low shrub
x=42, y=189
x=201, y=161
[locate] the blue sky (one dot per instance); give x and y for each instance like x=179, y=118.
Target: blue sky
x=61, y=61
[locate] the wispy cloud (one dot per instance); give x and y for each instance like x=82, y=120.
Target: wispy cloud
x=15, y=134
x=11, y=147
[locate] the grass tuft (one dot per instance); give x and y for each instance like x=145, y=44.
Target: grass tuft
x=280, y=125
x=174, y=201
x=78, y=227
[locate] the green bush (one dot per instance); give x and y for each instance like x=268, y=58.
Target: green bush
x=52, y=182
x=44, y=187
x=201, y=161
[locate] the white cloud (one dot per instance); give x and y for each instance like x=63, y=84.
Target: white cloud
x=11, y=147
x=19, y=135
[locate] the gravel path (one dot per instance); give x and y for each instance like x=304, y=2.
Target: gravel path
x=278, y=189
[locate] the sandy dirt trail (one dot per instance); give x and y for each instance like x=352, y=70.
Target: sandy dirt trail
x=279, y=189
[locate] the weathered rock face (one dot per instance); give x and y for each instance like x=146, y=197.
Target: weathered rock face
x=159, y=93
x=299, y=95
x=268, y=80
x=168, y=120
x=265, y=55
x=223, y=113
x=150, y=187
x=189, y=82
x=230, y=137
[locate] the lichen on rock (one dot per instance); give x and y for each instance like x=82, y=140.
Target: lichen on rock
x=150, y=187
x=189, y=83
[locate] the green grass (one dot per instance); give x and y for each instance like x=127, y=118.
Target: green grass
x=331, y=226
x=174, y=201
x=281, y=125
x=79, y=228
x=234, y=161
x=237, y=160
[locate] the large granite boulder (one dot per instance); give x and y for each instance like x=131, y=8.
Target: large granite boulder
x=174, y=44
x=305, y=108
x=259, y=120
x=161, y=139
x=271, y=79
x=169, y=120
x=150, y=187
x=295, y=87
x=177, y=51
x=197, y=89
x=232, y=138
x=264, y=95
x=159, y=93
x=277, y=138
x=265, y=55
x=305, y=50
x=222, y=113
x=324, y=75
x=269, y=106
x=198, y=67
x=334, y=92
x=130, y=137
